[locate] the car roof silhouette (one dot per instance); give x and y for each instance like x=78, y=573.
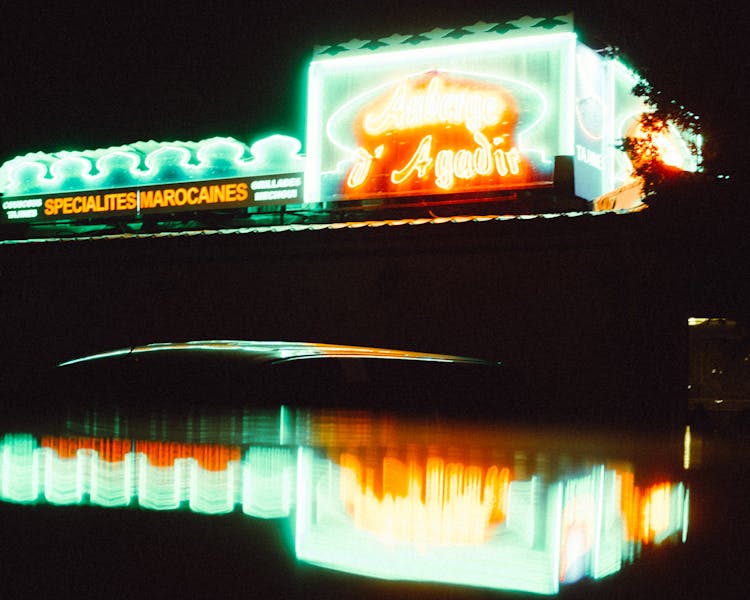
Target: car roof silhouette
x=275, y=351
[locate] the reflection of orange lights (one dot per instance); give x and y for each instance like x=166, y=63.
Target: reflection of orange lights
x=629, y=500
x=645, y=513
x=211, y=457
x=110, y=450
x=647, y=517
x=438, y=503
x=437, y=133
x=656, y=511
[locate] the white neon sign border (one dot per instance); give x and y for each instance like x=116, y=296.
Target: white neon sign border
x=319, y=68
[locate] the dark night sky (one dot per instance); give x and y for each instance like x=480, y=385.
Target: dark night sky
x=82, y=78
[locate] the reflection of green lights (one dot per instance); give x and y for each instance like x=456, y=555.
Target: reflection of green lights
x=552, y=532
x=262, y=482
x=509, y=559
x=685, y=516
x=19, y=468
x=268, y=477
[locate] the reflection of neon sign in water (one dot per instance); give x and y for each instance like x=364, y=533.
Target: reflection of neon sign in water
x=440, y=503
x=453, y=520
x=204, y=478
x=399, y=518
x=627, y=515
x=657, y=513
x=436, y=132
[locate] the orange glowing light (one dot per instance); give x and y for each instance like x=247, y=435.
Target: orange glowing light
x=211, y=457
x=629, y=501
x=437, y=133
x=656, y=511
x=656, y=142
x=435, y=503
x=110, y=450
x=645, y=513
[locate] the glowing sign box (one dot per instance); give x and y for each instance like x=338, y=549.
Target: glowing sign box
x=470, y=110
x=216, y=194
x=466, y=113
x=468, y=117
x=151, y=178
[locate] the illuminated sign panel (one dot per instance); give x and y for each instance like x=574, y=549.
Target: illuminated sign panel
x=151, y=177
x=220, y=194
x=470, y=117
x=468, y=113
x=594, y=143
x=474, y=110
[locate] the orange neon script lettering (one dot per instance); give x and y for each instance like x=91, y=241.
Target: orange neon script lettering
x=436, y=106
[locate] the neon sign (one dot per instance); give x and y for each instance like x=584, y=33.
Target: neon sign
x=448, y=118
x=174, y=198
x=151, y=177
x=443, y=103
x=436, y=132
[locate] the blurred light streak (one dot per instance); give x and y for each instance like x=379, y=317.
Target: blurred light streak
x=365, y=504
